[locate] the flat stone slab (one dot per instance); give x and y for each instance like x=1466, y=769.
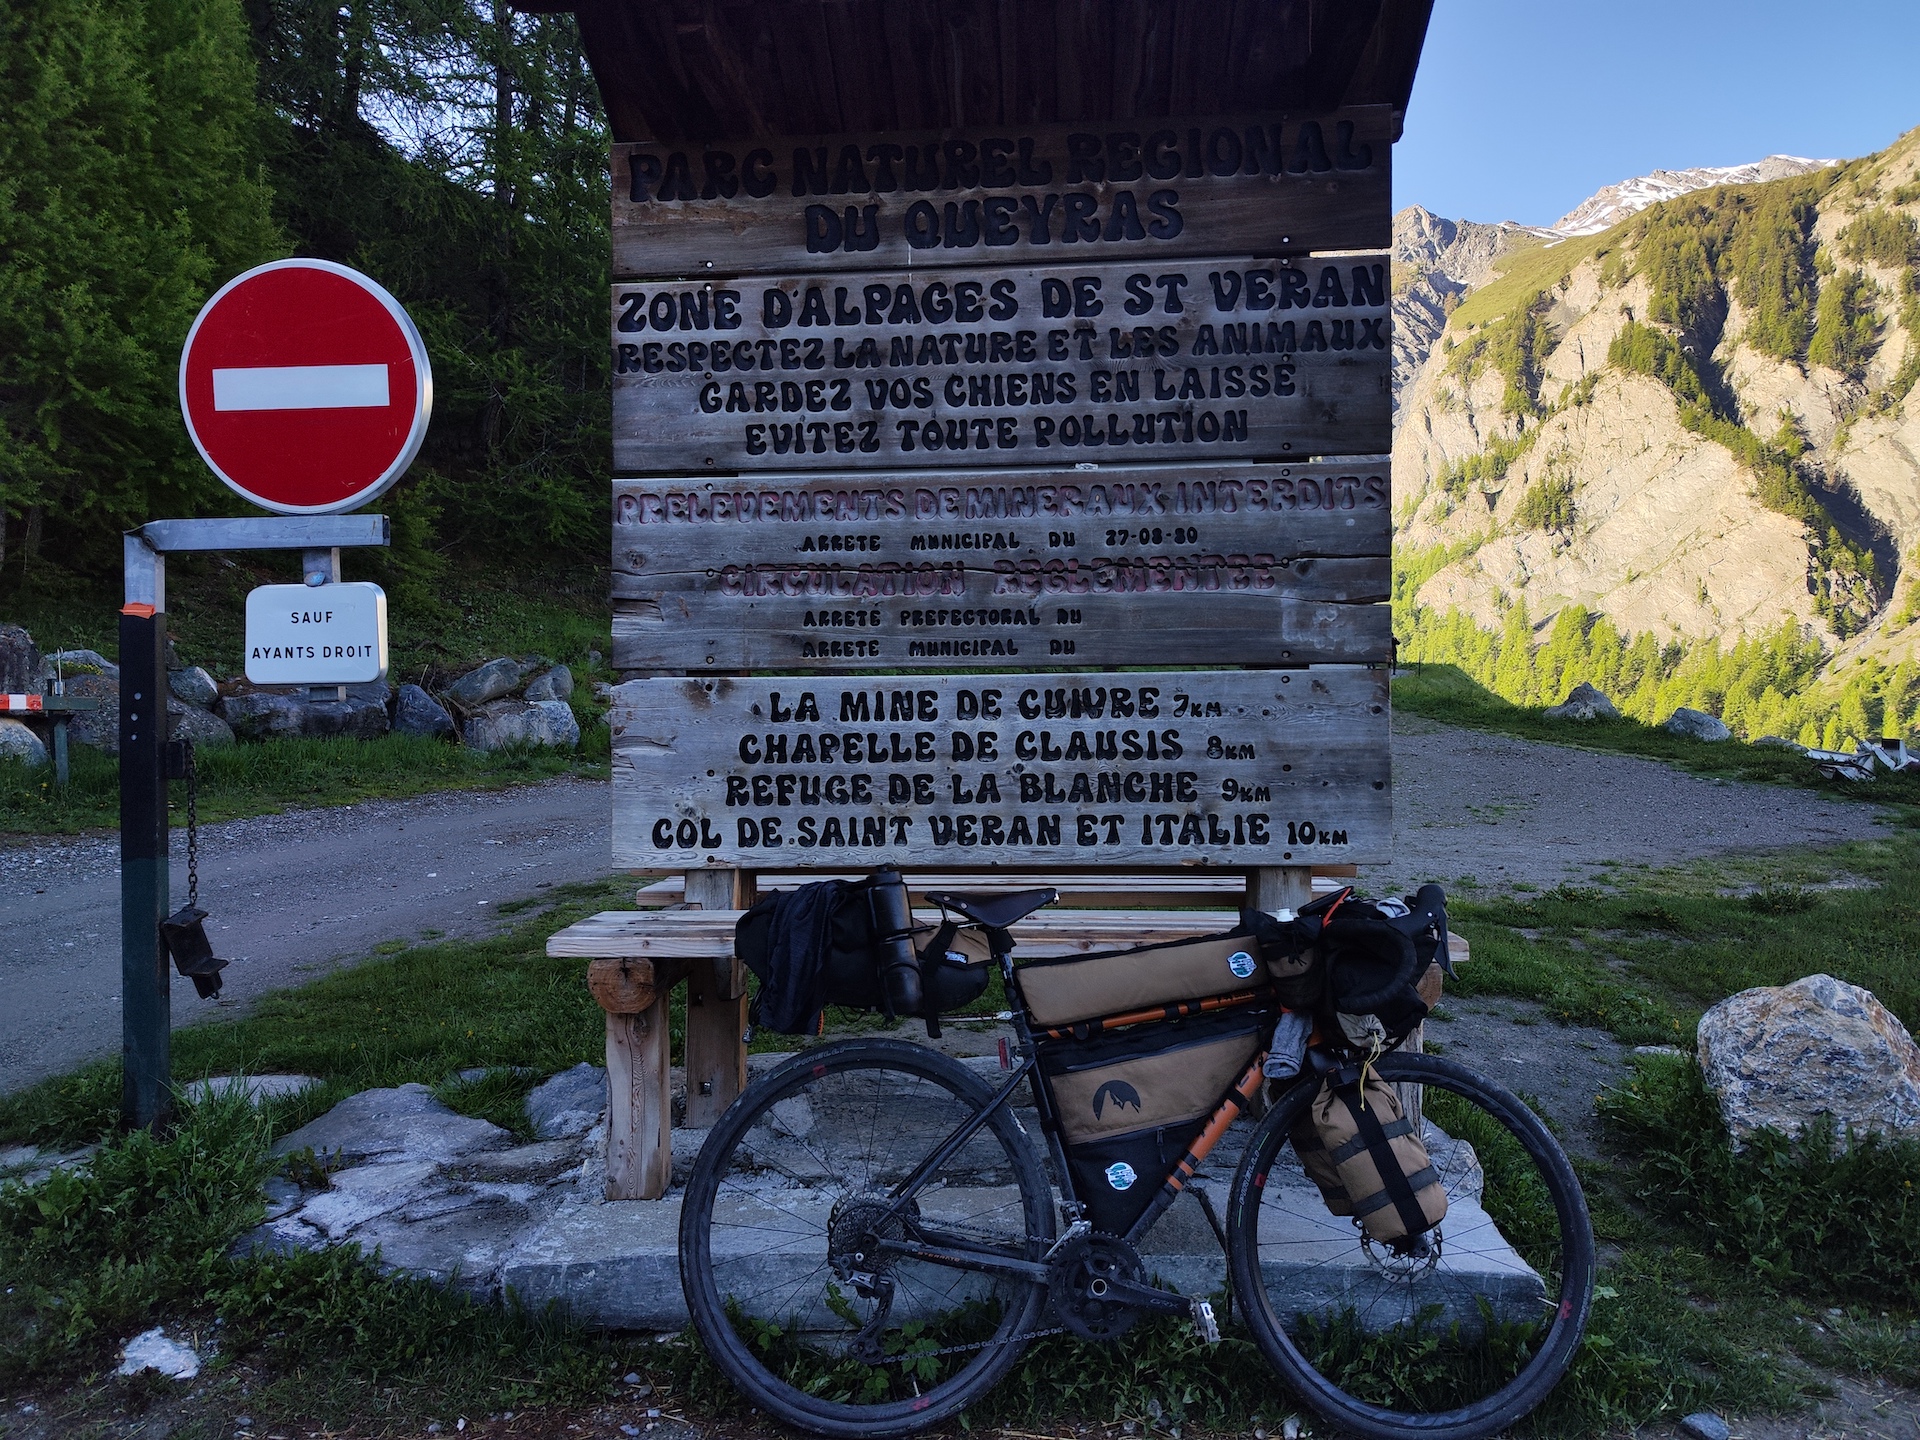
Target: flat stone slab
x=255, y=1087
x=449, y=1197
x=391, y=1124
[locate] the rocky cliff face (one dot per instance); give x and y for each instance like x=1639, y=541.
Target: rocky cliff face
x=1700, y=424
x=1435, y=263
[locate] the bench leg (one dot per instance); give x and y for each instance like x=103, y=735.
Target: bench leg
x=716, y=1055
x=639, y=1148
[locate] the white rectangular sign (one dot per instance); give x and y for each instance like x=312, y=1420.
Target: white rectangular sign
x=317, y=634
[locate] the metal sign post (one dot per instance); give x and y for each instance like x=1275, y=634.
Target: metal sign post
x=146, y=1090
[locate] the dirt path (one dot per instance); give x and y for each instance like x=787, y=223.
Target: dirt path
x=290, y=896
x=1470, y=804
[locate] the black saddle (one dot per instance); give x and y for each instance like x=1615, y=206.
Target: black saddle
x=996, y=912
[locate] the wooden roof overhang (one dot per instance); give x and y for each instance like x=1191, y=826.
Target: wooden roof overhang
x=712, y=70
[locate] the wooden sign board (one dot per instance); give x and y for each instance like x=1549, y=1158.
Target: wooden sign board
x=1219, y=768
x=1219, y=360
x=1204, y=565
x=1261, y=183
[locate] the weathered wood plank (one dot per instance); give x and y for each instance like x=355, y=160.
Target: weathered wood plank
x=661, y=526
x=1207, y=768
x=704, y=630
x=1219, y=360
x=639, y=1111
x=1151, y=189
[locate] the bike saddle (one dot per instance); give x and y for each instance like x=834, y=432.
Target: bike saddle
x=996, y=912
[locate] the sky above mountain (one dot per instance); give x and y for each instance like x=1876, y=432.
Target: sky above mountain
x=1523, y=109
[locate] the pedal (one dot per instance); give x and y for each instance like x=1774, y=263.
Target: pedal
x=1204, y=1325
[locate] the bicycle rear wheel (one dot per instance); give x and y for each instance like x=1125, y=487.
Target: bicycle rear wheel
x=784, y=1235
x=1456, y=1343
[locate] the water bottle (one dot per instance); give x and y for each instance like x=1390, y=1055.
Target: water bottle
x=893, y=942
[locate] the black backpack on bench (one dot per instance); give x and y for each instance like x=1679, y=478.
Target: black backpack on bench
x=827, y=944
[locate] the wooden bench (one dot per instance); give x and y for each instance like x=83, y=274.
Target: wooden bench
x=1091, y=891
x=635, y=958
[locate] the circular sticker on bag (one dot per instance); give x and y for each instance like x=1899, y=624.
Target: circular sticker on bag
x=1120, y=1175
x=1240, y=963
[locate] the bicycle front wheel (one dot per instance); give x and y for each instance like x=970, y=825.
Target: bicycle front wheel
x=791, y=1223
x=1458, y=1337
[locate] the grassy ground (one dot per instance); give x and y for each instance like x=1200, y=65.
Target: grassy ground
x=1444, y=693
x=1701, y=1304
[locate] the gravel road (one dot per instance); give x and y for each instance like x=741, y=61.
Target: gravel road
x=290, y=896
x=294, y=895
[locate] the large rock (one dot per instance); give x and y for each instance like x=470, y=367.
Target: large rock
x=1583, y=702
x=571, y=1103
x=1779, y=1056
x=406, y=1122
x=519, y=722
x=269, y=715
x=202, y=727
x=489, y=682
x=554, y=684
x=78, y=662
x=1698, y=724
x=415, y=712
x=98, y=728
x=19, y=662
x=193, y=685
x=265, y=715
x=18, y=742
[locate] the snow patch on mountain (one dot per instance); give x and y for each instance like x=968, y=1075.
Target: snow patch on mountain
x=1607, y=207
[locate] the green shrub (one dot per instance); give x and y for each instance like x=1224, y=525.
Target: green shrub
x=1547, y=505
x=1800, y=1216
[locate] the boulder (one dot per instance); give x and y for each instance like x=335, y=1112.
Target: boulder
x=489, y=682
x=271, y=715
x=193, y=685
x=18, y=742
x=406, y=1123
x=19, y=662
x=502, y=723
x=265, y=715
x=98, y=728
x=1698, y=724
x=202, y=727
x=1583, y=702
x=415, y=712
x=1780, y=1056
x=554, y=684
x=79, y=662
x=570, y=1103
x=255, y=1088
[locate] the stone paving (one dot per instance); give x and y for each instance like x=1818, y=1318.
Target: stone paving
x=455, y=1199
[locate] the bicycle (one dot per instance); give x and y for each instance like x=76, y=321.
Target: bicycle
x=869, y=1239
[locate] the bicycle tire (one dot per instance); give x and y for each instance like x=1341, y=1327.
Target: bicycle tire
x=1559, y=1254
x=728, y=1162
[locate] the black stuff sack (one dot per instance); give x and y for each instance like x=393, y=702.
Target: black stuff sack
x=818, y=945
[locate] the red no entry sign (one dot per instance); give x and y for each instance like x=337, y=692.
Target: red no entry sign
x=306, y=387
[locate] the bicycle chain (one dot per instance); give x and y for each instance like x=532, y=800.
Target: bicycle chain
x=193, y=826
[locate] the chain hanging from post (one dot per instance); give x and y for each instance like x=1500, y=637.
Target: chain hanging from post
x=193, y=827
x=185, y=930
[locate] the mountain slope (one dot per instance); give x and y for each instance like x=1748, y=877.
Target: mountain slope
x=1694, y=432
x=1608, y=206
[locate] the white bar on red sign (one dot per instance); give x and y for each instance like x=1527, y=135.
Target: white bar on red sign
x=301, y=387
